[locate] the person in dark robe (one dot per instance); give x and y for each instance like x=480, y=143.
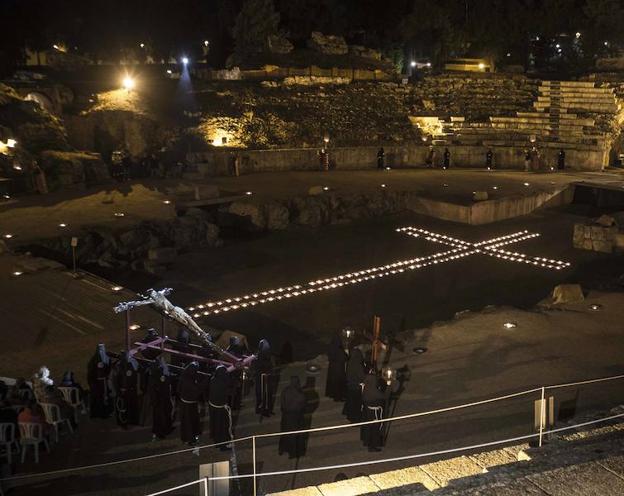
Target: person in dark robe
x=150, y=353
x=239, y=350
x=446, y=158
x=220, y=411
x=263, y=367
x=159, y=392
x=373, y=404
x=126, y=381
x=336, y=372
x=182, y=344
x=190, y=388
x=237, y=347
x=355, y=377
x=561, y=159
x=293, y=406
x=98, y=370
x=381, y=158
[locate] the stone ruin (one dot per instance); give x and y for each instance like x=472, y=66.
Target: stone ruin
x=328, y=44
x=603, y=235
x=364, y=52
x=279, y=44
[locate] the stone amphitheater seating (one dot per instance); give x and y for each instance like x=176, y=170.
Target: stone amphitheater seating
x=565, y=114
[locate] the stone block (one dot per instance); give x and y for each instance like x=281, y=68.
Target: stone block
x=328, y=44
x=597, y=233
x=278, y=216
x=587, y=244
x=155, y=268
x=252, y=212
x=587, y=232
x=162, y=255
x=279, y=44
x=350, y=487
x=605, y=220
x=618, y=241
x=404, y=477
x=315, y=190
x=480, y=196
x=568, y=293
x=602, y=246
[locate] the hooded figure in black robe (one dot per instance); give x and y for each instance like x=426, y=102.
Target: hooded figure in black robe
x=190, y=388
x=182, y=345
x=220, y=411
x=263, y=366
x=293, y=411
x=160, y=396
x=336, y=372
x=239, y=350
x=373, y=403
x=355, y=378
x=150, y=353
x=126, y=384
x=98, y=370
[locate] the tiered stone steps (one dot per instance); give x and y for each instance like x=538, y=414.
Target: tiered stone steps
x=564, y=117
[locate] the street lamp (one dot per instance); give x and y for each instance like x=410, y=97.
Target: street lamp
x=413, y=63
x=185, y=60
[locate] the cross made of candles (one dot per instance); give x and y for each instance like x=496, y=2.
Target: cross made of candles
x=457, y=249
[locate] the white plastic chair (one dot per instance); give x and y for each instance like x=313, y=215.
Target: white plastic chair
x=53, y=416
x=7, y=439
x=31, y=434
x=72, y=396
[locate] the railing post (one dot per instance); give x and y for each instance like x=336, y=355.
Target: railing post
x=205, y=482
x=542, y=415
x=253, y=450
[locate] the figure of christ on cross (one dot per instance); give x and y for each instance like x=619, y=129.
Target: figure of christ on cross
x=458, y=249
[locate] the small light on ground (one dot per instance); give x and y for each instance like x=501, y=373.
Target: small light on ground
x=17, y=273
x=134, y=327
x=248, y=193
x=128, y=83
x=420, y=350
x=325, y=188
x=169, y=71
x=510, y=325
x=119, y=214
x=117, y=288
x=17, y=167
x=527, y=184
x=7, y=236
x=494, y=187
x=595, y=307
x=62, y=225
x=388, y=168
x=167, y=202
x=445, y=185
x=383, y=185
x=142, y=45
x=6, y=197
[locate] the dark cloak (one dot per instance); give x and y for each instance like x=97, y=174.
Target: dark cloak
x=293, y=404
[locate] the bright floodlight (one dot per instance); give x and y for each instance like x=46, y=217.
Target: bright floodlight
x=413, y=63
x=481, y=65
x=206, y=43
x=185, y=60
x=128, y=83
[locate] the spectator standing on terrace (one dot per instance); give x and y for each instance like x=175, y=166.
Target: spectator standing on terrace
x=98, y=371
x=527, y=160
x=447, y=159
x=381, y=158
x=293, y=406
x=431, y=157
x=489, y=158
x=535, y=159
x=561, y=159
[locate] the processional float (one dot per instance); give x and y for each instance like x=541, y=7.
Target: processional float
x=157, y=299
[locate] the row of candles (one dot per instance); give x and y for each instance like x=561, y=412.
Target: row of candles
x=460, y=249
